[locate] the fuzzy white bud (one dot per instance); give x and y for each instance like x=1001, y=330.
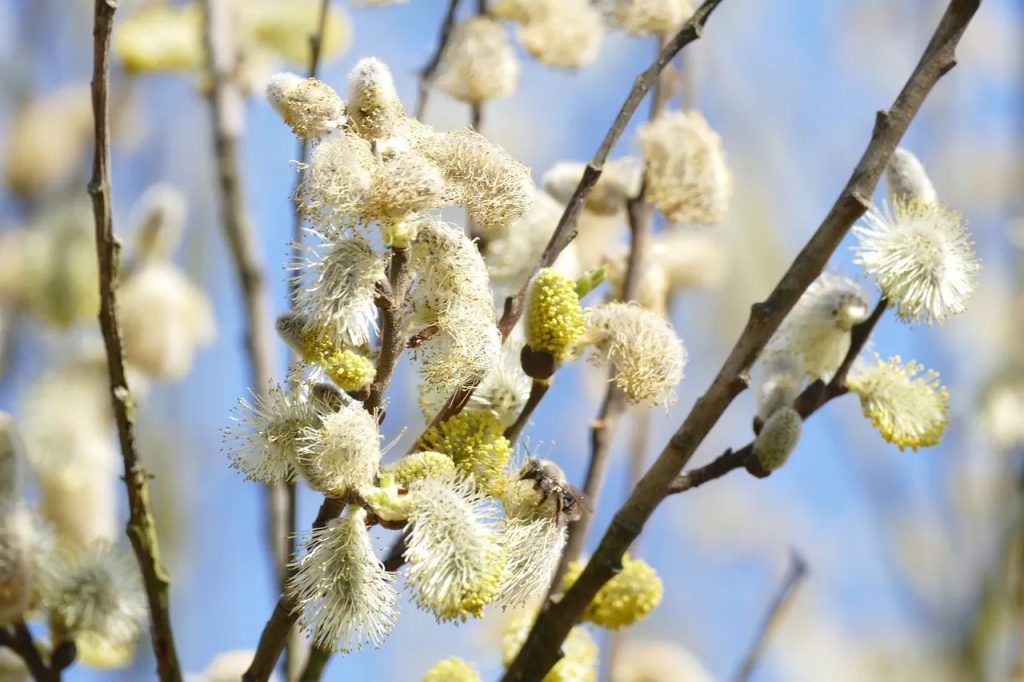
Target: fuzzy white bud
x=310, y=107
x=479, y=63
x=374, y=108
x=778, y=438
x=907, y=178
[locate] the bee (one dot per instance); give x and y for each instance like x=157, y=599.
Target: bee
x=549, y=480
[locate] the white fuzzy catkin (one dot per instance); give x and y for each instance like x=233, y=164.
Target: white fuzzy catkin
x=337, y=180
x=921, y=256
x=643, y=348
x=533, y=547
x=95, y=595
x=452, y=292
x=561, y=33
x=310, y=107
x=687, y=176
x=337, y=287
x=647, y=17
x=373, y=107
x=165, y=319
x=455, y=557
x=263, y=442
x=619, y=181
x=347, y=597
x=778, y=438
x=817, y=329
x=907, y=178
x=479, y=62
x=340, y=453
x=494, y=187
x=401, y=185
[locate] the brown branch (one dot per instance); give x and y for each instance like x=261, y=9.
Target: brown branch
x=538, y=389
x=316, y=40
x=810, y=400
x=794, y=576
x=427, y=72
x=541, y=649
x=19, y=639
x=141, y=528
x=227, y=111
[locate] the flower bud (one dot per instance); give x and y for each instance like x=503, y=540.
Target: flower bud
x=310, y=107
x=554, y=321
x=374, y=107
x=778, y=438
x=420, y=465
x=907, y=178
x=476, y=445
x=479, y=62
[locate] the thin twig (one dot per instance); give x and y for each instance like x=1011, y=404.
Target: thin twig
x=794, y=576
x=316, y=40
x=810, y=400
x=541, y=649
x=538, y=389
x=141, y=527
x=19, y=639
x=227, y=110
x=427, y=72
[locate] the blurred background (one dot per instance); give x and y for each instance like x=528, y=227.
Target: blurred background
x=915, y=558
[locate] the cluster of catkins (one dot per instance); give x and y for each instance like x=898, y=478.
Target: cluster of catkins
x=921, y=256
x=480, y=530
x=86, y=589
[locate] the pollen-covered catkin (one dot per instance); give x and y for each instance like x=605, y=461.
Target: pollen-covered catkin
x=554, y=321
x=909, y=409
x=479, y=62
x=452, y=669
x=778, y=438
x=687, y=176
x=476, y=445
x=373, y=105
x=625, y=599
x=420, y=465
x=401, y=185
x=310, y=107
x=580, y=654
x=337, y=180
x=340, y=453
x=346, y=596
x=641, y=346
x=454, y=554
x=494, y=187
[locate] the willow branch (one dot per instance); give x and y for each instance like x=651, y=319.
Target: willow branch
x=538, y=389
x=810, y=400
x=541, y=649
x=794, y=576
x=428, y=71
x=19, y=639
x=141, y=527
x=227, y=123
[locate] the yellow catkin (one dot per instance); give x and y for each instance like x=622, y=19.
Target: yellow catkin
x=626, y=598
x=554, y=321
x=345, y=367
x=452, y=669
x=476, y=445
x=420, y=465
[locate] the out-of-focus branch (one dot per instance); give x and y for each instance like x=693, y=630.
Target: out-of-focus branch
x=541, y=649
x=19, y=639
x=794, y=576
x=613, y=407
x=427, y=72
x=538, y=389
x=141, y=527
x=227, y=109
